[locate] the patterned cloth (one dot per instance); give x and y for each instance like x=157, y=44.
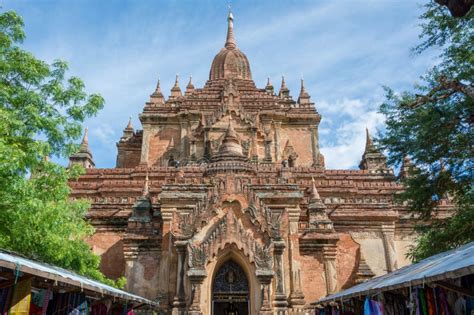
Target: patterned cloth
x=68, y=304
x=40, y=301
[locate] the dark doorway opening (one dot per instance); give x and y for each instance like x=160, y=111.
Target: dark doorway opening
x=230, y=290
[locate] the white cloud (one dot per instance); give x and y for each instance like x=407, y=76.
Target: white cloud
x=344, y=149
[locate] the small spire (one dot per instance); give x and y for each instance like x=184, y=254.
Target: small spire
x=129, y=126
x=176, y=81
x=190, y=86
x=284, y=91
x=175, y=90
x=372, y=159
x=85, y=141
x=368, y=140
x=157, y=96
x=230, y=42
x=314, y=191
x=269, y=87
x=304, y=97
x=158, y=88
x=128, y=131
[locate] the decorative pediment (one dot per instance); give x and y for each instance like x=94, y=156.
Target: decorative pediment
x=226, y=230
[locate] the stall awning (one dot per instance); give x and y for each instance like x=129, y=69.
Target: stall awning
x=50, y=272
x=451, y=264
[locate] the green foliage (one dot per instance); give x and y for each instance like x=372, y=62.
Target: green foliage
x=433, y=126
x=40, y=116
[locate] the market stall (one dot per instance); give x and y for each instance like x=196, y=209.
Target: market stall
x=31, y=287
x=440, y=284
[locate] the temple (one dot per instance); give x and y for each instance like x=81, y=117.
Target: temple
x=222, y=204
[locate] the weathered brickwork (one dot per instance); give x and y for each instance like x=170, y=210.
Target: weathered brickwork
x=232, y=172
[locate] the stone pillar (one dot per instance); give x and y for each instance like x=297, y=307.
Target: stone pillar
x=265, y=278
x=329, y=258
x=145, y=145
x=179, y=301
x=277, y=125
x=388, y=235
x=268, y=150
x=296, y=295
x=184, y=138
x=279, y=300
x=166, y=284
x=315, y=145
x=254, y=152
x=196, y=276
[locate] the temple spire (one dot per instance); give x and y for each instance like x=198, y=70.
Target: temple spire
x=314, y=191
x=85, y=141
x=128, y=131
x=304, y=97
x=158, y=87
x=190, y=86
x=284, y=91
x=157, y=96
x=368, y=140
x=84, y=156
x=230, y=42
x=129, y=125
x=269, y=87
x=175, y=90
x=372, y=159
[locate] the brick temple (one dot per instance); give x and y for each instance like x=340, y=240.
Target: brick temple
x=221, y=203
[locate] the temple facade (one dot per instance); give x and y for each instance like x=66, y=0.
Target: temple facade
x=221, y=203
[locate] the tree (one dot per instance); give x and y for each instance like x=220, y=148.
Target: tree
x=433, y=127
x=40, y=116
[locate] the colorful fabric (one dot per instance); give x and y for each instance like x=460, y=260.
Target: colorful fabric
x=77, y=304
x=40, y=301
x=430, y=301
x=21, y=299
x=443, y=302
x=422, y=301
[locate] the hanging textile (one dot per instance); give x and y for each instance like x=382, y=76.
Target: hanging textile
x=372, y=307
x=77, y=304
x=5, y=297
x=422, y=301
x=40, y=301
x=443, y=306
x=21, y=299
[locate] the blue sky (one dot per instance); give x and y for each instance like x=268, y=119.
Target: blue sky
x=346, y=50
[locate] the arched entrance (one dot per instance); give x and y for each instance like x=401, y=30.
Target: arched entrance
x=230, y=290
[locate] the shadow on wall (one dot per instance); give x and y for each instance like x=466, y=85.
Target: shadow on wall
x=112, y=262
x=351, y=281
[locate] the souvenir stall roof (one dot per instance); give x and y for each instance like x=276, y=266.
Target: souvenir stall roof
x=50, y=272
x=451, y=264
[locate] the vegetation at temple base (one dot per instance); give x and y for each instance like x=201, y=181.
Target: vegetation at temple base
x=40, y=116
x=433, y=127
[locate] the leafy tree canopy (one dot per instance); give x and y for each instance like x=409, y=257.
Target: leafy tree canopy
x=40, y=116
x=433, y=127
